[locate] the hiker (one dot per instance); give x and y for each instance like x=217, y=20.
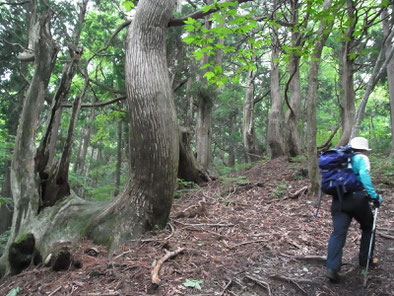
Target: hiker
x=353, y=205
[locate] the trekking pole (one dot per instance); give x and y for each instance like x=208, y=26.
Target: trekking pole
x=370, y=246
x=319, y=202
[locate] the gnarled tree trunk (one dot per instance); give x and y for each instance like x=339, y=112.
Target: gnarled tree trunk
x=146, y=200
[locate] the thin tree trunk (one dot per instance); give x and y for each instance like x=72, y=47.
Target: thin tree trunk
x=293, y=140
x=313, y=75
x=251, y=145
x=118, y=158
x=348, y=107
x=381, y=64
x=204, y=116
x=390, y=71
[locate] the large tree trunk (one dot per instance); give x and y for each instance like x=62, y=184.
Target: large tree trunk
x=146, y=200
x=313, y=171
x=24, y=181
x=293, y=139
x=251, y=145
x=275, y=135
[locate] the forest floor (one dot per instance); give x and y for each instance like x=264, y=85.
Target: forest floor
x=251, y=233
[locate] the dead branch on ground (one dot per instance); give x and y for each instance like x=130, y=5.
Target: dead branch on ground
x=155, y=272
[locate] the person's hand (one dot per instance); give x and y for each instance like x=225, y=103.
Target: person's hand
x=377, y=201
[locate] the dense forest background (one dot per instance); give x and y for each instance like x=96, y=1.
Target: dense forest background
x=232, y=83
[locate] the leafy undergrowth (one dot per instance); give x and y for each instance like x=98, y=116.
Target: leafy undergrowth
x=252, y=233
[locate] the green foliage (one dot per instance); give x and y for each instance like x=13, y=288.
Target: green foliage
x=224, y=170
x=13, y=292
x=102, y=193
x=233, y=181
x=279, y=190
x=6, y=200
x=3, y=240
x=193, y=284
x=128, y=5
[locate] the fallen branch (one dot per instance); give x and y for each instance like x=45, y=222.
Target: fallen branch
x=226, y=287
x=298, y=193
x=385, y=235
x=247, y=243
x=155, y=272
x=206, y=224
x=259, y=282
x=54, y=292
x=295, y=282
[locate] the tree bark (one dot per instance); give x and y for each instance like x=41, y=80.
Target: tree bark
x=275, y=136
x=146, y=201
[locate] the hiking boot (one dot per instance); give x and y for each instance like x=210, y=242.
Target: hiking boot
x=332, y=275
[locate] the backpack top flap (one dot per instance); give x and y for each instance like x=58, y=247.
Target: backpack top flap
x=335, y=158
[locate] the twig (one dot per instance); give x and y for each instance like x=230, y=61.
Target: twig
x=247, y=243
x=122, y=254
x=385, y=235
x=260, y=283
x=226, y=287
x=295, y=282
x=172, y=231
x=206, y=224
x=155, y=272
x=53, y=292
x=298, y=192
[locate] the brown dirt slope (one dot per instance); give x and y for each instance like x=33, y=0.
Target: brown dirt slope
x=251, y=233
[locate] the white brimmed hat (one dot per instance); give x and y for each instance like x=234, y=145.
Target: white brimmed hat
x=359, y=143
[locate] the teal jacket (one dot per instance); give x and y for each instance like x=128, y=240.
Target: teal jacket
x=361, y=167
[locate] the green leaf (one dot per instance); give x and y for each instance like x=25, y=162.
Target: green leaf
x=14, y=292
x=209, y=75
x=193, y=283
x=189, y=39
x=128, y=5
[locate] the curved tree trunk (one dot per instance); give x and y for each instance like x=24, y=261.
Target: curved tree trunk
x=146, y=200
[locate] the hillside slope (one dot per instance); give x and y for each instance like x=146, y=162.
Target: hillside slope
x=251, y=233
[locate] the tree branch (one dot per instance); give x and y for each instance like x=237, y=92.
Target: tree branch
x=197, y=15
x=155, y=272
x=100, y=104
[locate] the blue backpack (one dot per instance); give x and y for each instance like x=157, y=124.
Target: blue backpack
x=338, y=177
